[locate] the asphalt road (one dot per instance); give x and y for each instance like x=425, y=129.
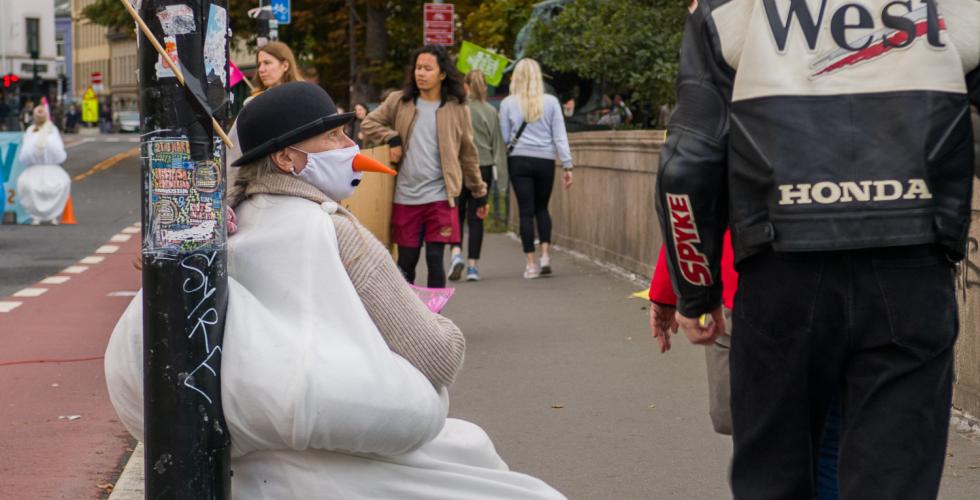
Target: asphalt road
x=105, y=202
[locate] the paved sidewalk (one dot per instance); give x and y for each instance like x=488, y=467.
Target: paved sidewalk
x=563, y=375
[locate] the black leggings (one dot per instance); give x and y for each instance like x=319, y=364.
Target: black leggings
x=408, y=258
x=533, y=179
x=467, y=211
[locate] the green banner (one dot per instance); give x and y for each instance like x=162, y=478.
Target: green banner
x=472, y=56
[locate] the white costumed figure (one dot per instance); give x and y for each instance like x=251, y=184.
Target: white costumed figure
x=43, y=187
x=334, y=374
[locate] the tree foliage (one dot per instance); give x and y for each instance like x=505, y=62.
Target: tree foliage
x=630, y=45
x=318, y=34
x=494, y=25
x=109, y=13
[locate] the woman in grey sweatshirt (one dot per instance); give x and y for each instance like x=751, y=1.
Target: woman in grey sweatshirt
x=533, y=125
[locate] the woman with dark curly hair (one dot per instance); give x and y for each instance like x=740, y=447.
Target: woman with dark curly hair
x=427, y=126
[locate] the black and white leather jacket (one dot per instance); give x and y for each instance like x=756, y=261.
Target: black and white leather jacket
x=817, y=125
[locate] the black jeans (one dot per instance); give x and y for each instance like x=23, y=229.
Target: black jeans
x=467, y=212
x=533, y=179
x=878, y=324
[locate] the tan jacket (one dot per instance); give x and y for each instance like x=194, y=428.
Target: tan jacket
x=460, y=163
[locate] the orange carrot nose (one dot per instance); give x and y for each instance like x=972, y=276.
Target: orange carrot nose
x=367, y=164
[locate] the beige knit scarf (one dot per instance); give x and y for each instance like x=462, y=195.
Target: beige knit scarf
x=284, y=184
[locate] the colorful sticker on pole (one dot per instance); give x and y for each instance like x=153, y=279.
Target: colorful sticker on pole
x=215, y=61
x=163, y=69
x=185, y=198
x=177, y=20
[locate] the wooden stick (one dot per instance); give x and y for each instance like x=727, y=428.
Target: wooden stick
x=170, y=62
x=248, y=82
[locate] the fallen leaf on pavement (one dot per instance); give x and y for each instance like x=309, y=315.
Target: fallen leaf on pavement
x=557, y=407
x=106, y=487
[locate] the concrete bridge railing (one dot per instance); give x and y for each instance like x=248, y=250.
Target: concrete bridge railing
x=609, y=215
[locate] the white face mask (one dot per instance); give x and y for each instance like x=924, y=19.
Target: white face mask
x=332, y=172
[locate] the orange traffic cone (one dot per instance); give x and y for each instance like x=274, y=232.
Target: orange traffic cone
x=68, y=216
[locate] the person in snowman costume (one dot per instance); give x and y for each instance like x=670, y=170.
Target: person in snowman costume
x=44, y=186
x=334, y=374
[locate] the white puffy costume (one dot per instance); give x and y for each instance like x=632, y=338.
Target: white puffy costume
x=43, y=187
x=317, y=405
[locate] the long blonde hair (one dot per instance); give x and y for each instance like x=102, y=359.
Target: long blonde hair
x=528, y=86
x=477, y=84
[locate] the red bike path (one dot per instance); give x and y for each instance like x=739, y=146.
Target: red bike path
x=59, y=436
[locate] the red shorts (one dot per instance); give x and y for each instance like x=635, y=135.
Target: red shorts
x=434, y=222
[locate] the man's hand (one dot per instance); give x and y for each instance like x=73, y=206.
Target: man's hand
x=395, y=154
x=662, y=324
x=703, y=334
x=567, y=178
x=481, y=213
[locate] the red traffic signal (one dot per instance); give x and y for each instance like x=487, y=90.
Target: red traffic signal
x=10, y=79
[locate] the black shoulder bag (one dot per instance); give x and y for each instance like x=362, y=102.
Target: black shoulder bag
x=517, y=137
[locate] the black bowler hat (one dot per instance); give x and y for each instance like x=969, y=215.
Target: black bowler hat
x=284, y=115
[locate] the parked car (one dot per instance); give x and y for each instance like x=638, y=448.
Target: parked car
x=127, y=121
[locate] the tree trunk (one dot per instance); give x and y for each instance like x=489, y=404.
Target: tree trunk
x=376, y=48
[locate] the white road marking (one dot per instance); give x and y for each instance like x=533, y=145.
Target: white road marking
x=124, y=293
x=131, y=230
x=31, y=292
x=120, y=238
x=6, y=307
x=92, y=259
x=75, y=269
x=107, y=249
x=55, y=280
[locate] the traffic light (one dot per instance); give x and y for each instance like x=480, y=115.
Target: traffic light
x=10, y=79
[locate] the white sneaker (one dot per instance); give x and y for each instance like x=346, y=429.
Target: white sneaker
x=545, y=265
x=532, y=272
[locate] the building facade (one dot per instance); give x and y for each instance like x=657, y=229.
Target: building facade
x=122, y=71
x=100, y=54
x=28, y=52
x=90, y=52
x=63, y=43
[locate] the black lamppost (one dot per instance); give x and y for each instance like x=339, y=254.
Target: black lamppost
x=185, y=292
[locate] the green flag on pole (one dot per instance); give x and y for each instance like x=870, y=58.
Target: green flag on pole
x=472, y=56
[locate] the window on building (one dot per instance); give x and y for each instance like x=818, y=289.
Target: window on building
x=33, y=37
x=59, y=44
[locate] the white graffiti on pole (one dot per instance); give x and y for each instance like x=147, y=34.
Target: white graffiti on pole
x=203, y=318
